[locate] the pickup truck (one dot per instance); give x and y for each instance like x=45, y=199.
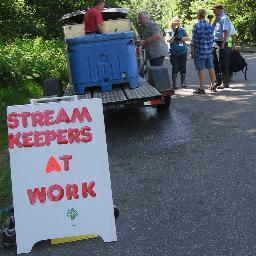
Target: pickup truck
x=154, y=88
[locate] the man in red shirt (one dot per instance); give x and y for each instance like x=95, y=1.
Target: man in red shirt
x=93, y=18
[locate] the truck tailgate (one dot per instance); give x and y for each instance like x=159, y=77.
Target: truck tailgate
x=121, y=96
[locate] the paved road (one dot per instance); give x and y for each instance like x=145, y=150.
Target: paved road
x=184, y=179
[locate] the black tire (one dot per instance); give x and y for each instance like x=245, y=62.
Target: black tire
x=52, y=87
x=116, y=212
x=166, y=105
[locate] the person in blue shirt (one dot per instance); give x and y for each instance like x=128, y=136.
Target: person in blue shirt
x=177, y=37
x=222, y=26
x=201, y=51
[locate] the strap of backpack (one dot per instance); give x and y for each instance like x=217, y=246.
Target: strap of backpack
x=246, y=68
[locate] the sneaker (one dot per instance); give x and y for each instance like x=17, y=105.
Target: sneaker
x=199, y=91
x=212, y=88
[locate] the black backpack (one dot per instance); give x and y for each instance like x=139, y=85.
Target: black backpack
x=237, y=62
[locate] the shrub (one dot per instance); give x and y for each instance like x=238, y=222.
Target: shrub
x=246, y=27
x=31, y=59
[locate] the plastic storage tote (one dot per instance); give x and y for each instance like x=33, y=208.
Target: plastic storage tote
x=102, y=60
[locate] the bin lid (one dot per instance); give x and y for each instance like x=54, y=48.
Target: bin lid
x=99, y=37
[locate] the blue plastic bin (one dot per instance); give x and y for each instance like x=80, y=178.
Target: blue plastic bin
x=103, y=60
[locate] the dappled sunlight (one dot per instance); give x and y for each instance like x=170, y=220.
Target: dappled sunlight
x=218, y=95
x=241, y=99
x=228, y=115
x=251, y=58
x=234, y=102
x=252, y=132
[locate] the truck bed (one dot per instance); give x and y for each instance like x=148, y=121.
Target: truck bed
x=122, y=96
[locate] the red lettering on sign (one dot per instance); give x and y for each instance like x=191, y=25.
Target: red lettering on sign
x=52, y=165
x=55, y=192
x=13, y=122
x=60, y=192
x=62, y=117
x=37, y=119
x=66, y=159
x=14, y=140
x=62, y=136
x=72, y=191
x=74, y=135
x=39, y=139
x=50, y=135
x=48, y=117
x=88, y=189
x=84, y=115
x=27, y=139
x=85, y=131
x=35, y=194
x=24, y=119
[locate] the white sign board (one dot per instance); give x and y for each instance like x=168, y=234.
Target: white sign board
x=60, y=172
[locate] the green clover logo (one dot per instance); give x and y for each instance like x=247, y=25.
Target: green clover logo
x=72, y=214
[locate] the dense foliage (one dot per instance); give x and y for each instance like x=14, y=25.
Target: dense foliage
x=26, y=59
x=41, y=18
x=30, y=18
x=241, y=12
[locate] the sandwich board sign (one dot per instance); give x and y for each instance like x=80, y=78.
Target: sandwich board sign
x=60, y=173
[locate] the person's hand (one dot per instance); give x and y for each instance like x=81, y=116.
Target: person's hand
x=222, y=45
x=137, y=42
x=170, y=40
x=142, y=42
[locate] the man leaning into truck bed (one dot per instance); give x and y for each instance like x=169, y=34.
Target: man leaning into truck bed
x=152, y=39
x=93, y=18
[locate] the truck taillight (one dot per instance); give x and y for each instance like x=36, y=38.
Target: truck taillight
x=138, y=52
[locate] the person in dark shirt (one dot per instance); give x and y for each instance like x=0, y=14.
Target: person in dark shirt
x=93, y=18
x=177, y=38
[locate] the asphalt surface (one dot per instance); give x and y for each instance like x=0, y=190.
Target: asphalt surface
x=184, y=179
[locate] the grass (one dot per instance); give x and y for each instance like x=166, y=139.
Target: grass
x=11, y=95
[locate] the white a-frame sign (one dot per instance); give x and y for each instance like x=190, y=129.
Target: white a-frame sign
x=60, y=172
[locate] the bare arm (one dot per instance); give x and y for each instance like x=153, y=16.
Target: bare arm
x=224, y=38
x=192, y=51
x=151, y=39
x=185, y=38
x=234, y=39
x=193, y=42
